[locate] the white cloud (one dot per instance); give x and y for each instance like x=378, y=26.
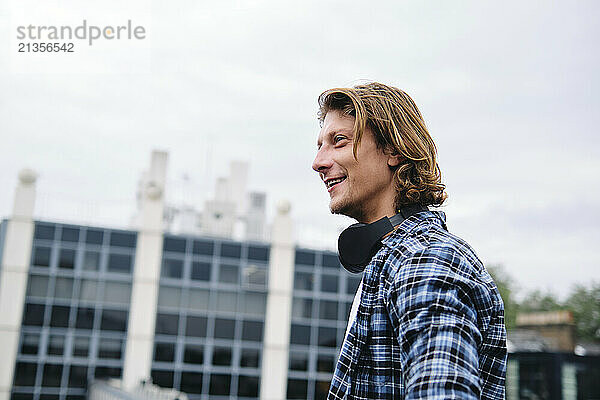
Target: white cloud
x=509, y=92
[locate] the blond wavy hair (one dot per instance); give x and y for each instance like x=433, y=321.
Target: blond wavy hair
x=398, y=126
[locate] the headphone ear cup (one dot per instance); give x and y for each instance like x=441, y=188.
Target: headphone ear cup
x=351, y=255
x=358, y=243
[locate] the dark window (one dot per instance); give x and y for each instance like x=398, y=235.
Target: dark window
x=248, y=386
x=229, y=273
x=33, y=314
x=329, y=283
x=300, y=334
x=119, y=263
x=52, y=375
x=162, y=378
x=191, y=382
x=321, y=390
x=78, y=376
x=91, y=261
x=30, y=343
x=331, y=261
x=94, y=237
x=299, y=361
x=352, y=283
x=60, y=316
x=81, y=346
x=250, y=358
x=167, y=324
x=194, y=354
x=220, y=384
x=303, y=281
x=297, y=388
x=232, y=250
x=21, y=396
x=25, y=374
x=70, y=235
x=301, y=308
x=258, y=253
x=114, y=320
x=75, y=397
x=224, y=328
x=200, y=271
x=123, y=239
x=328, y=309
x=203, y=247
x=46, y=396
x=221, y=356
x=45, y=232
x=66, y=259
x=110, y=348
x=56, y=345
x=305, y=257
x=172, y=268
x=348, y=308
x=195, y=326
x=325, y=363
x=327, y=337
x=107, y=372
x=174, y=245
x=164, y=351
x=85, y=318
x=252, y=330
x=41, y=256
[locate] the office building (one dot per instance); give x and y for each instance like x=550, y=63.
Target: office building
x=196, y=310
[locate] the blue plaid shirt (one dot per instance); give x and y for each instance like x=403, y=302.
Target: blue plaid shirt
x=430, y=322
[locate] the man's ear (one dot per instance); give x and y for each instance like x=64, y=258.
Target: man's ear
x=393, y=159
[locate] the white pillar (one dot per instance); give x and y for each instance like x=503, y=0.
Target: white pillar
x=277, y=322
x=13, y=278
x=146, y=275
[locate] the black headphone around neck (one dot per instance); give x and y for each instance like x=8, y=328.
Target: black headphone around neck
x=358, y=243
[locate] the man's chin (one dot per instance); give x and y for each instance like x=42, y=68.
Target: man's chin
x=342, y=209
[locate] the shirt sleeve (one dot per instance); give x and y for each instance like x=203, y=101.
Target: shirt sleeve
x=435, y=322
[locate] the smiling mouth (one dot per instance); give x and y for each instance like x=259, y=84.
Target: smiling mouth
x=331, y=183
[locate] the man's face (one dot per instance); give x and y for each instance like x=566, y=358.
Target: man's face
x=360, y=188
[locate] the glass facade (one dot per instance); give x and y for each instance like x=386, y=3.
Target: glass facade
x=210, y=317
x=209, y=324
x=76, y=310
x=322, y=298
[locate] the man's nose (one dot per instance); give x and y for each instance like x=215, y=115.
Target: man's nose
x=322, y=160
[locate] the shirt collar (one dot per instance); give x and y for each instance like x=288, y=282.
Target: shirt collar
x=412, y=223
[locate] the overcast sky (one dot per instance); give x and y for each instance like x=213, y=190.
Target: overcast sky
x=509, y=91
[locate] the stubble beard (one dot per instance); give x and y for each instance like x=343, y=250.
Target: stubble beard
x=347, y=207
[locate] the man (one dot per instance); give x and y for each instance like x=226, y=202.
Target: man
x=427, y=320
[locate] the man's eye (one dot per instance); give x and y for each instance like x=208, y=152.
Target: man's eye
x=338, y=138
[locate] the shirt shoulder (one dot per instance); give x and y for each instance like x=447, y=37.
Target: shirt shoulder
x=425, y=263
x=423, y=242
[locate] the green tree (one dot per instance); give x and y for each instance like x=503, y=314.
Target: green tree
x=584, y=303
x=540, y=301
x=507, y=288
